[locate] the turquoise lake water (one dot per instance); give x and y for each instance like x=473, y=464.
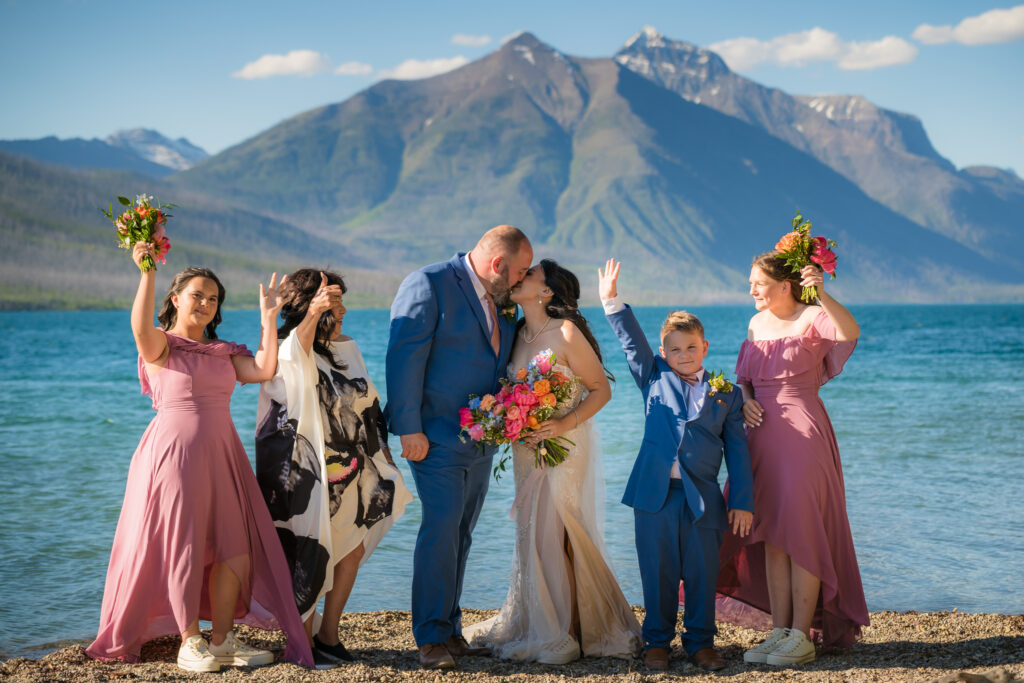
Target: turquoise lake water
x=929, y=414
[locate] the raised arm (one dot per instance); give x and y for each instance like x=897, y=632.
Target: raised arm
x=414, y=316
x=639, y=355
x=149, y=339
x=262, y=367
x=326, y=298
x=846, y=326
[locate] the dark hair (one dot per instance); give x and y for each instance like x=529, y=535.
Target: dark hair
x=775, y=267
x=169, y=313
x=564, y=303
x=298, y=291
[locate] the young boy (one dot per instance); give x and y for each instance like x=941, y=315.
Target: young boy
x=678, y=508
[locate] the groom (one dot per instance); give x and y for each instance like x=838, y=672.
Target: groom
x=449, y=340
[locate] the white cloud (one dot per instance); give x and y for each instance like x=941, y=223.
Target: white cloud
x=994, y=26
x=295, y=63
x=888, y=51
x=814, y=45
x=470, y=41
x=412, y=69
x=353, y=69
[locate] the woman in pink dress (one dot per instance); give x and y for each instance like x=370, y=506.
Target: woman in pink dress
x=194, y=539
x=798, y=563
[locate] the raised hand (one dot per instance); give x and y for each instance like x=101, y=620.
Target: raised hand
x=608, y=279
x=271, y=300
x=813, y=276
x=326, y=298
x=140, y=251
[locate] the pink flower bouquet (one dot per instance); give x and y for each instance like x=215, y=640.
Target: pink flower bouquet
x=799, y=250
x=142, y=221
x=536, y=393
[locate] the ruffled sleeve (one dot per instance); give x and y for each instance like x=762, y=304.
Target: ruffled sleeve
x=820, y=339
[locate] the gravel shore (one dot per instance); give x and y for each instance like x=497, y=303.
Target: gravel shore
x=941, y=647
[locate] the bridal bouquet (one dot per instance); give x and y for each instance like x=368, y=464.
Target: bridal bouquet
x=142, y=221
x=799, y=250
x=536, y=393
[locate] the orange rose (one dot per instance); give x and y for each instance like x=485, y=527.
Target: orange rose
x=143, y=211
x=532, y=422
x=559, y=378
x=541, y=387
x=788, y=241
x=521, y=374
x=548, y=400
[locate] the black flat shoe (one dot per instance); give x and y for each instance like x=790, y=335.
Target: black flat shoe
x=337, y=652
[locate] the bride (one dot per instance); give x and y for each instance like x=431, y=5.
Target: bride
x=564, y=599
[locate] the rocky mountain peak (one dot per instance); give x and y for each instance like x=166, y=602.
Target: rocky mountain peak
x=152, y=146
x=669, y=61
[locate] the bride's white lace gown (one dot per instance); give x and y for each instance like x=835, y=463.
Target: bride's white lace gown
x=551, y=505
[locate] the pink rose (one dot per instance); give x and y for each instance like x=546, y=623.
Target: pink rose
x=513, y=412
x=465, y=417
x=523, y=396
x=543, y=364
x=159, y=232
x=487, y=402
x=826, y=258
x=476, y=432
x=513, y=428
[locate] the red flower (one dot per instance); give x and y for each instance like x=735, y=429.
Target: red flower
x=819, y=243
x=826, y=258
x=465, y=417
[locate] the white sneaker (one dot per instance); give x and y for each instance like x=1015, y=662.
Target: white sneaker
x=564, y=651
x=759, y=653
x=793, y=649
x=193, y=655
x=233, y=652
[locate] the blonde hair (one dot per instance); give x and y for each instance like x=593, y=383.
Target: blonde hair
x=683, y=322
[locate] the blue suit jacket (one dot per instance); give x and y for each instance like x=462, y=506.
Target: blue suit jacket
x=699, y=442
x=439, y=352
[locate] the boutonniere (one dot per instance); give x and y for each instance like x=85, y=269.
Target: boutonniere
x=718, y=383
x=510, y=313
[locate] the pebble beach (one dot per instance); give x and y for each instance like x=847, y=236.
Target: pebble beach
x=898, y=646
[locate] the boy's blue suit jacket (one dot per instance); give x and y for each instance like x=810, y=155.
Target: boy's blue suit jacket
x=718, y=427
x=439, y=352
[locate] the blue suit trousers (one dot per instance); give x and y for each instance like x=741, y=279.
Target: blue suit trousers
x=670, y=548
x=451, y=489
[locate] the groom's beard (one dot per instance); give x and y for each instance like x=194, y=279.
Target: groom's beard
x=500, y=289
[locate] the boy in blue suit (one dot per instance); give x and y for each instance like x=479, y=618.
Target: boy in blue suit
x=678, y=507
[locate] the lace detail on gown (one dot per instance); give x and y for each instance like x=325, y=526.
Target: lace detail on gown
x=552, y=504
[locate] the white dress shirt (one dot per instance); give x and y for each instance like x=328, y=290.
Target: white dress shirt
x=481, y=292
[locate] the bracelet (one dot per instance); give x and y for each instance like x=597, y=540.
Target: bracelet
x=577, y=418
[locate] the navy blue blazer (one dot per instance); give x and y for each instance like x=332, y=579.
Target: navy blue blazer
x=439, y=352
x=699, y=442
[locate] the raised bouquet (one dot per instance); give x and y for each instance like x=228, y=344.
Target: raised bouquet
x=536, y=393
x=143, y=221
x=800, y=250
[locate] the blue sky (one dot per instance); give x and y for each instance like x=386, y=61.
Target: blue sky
x=85, y=68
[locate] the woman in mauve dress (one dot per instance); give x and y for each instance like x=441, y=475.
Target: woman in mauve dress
x=194, y=539
x=798, y=563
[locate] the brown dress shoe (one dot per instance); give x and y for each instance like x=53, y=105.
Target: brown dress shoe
x=707, y=659
x=458, y=647
x=656, y=658
x=436, y=656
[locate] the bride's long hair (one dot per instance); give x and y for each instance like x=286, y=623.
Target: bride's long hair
x=564, y=303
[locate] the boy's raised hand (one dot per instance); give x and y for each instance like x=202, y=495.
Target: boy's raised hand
x=740, y=521
x=608, y=279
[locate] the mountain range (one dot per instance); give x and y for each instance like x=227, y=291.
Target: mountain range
x=141, y=150
x=659, y=155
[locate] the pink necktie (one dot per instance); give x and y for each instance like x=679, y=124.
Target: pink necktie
x=495, y=332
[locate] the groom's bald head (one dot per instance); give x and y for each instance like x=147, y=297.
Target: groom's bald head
x=501, y=258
